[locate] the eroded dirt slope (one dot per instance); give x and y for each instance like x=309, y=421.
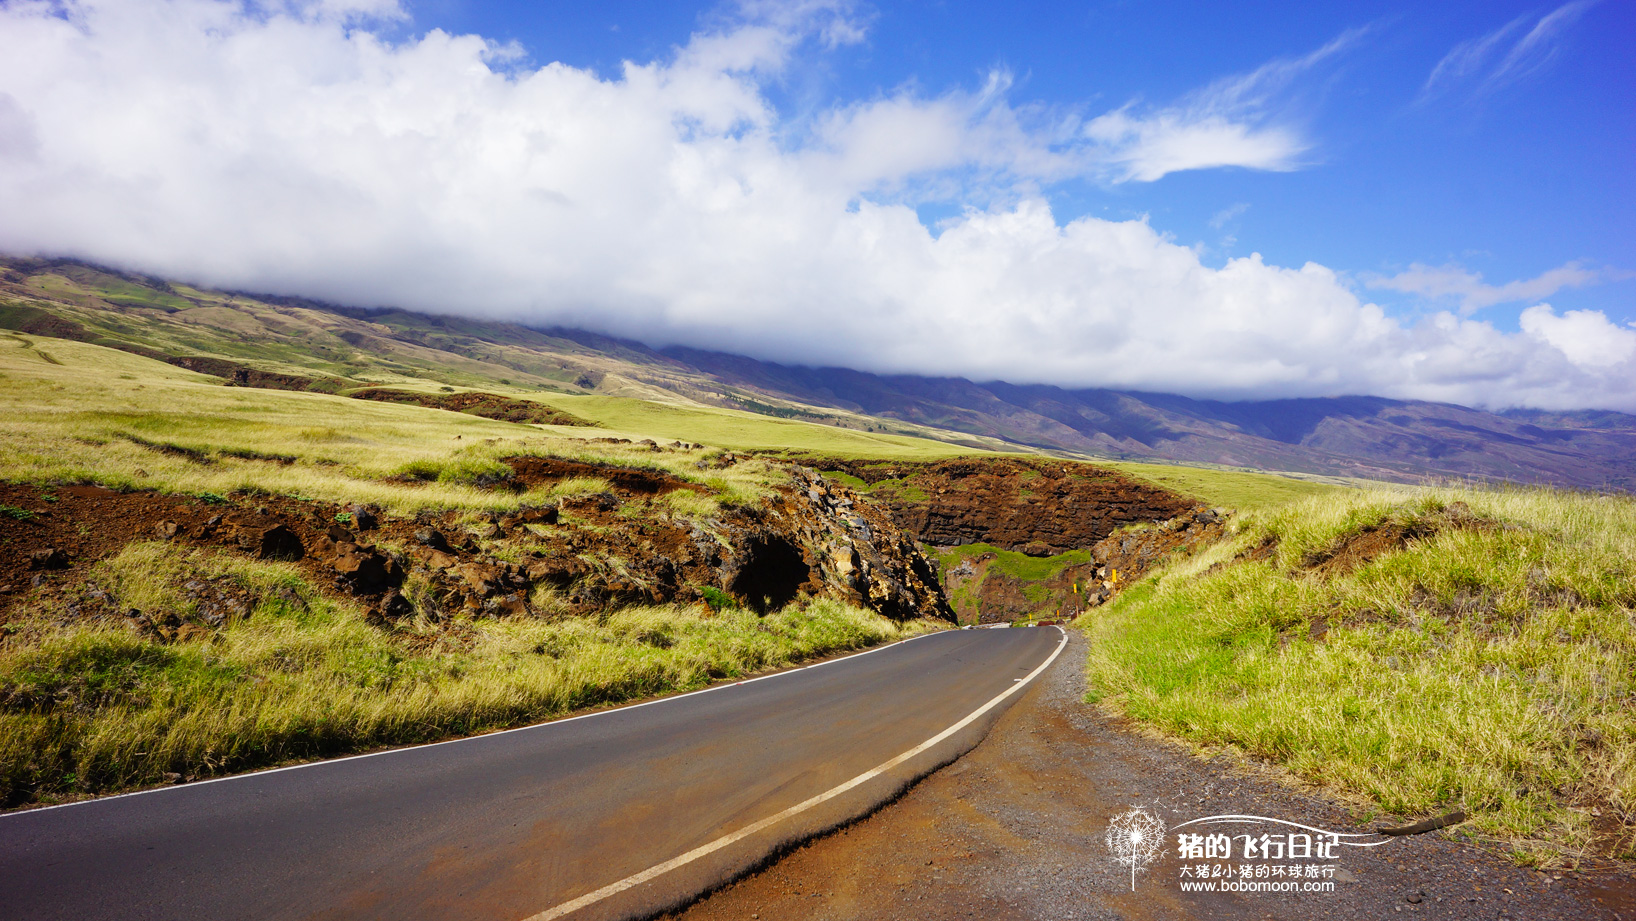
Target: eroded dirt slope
x=1039, y=506
x=622, y=545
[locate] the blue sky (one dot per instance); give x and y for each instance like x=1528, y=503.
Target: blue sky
x=1224, y=200
x=1507, y=178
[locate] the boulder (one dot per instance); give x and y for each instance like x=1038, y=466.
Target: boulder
x=482, y=578
x=271, y=542
x=367, y=571
x=394, y=606
x=49, y=558
x=433, y=538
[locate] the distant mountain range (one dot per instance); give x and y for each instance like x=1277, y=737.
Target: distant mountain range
x=1358, y=436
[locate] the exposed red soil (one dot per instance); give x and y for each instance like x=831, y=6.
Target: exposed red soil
x=1041, y=507
x=540, y=471
x=1367, y=544
x=595, y=550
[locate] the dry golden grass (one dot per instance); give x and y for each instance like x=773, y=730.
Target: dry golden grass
x=1490, y=667
x=96, y=707
x=96, y=415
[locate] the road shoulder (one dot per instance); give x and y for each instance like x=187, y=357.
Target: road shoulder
x=1015, y=830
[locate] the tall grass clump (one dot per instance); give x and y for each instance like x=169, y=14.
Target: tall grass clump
x=99, y=706
x=1424, y=649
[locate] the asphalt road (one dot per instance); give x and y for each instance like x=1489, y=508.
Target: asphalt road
x=519, y=824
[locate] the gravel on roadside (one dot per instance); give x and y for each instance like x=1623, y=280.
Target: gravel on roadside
x=1016, y=830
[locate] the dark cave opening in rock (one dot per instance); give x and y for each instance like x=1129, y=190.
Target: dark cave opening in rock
x=771, y=575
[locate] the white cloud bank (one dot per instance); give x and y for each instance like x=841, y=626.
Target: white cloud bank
x=291, y=149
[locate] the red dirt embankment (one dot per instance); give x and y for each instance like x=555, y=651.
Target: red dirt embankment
x=1039, y=506
x=620, y=546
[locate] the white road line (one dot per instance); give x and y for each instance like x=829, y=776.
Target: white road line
x=657, y=870
x=487, y=735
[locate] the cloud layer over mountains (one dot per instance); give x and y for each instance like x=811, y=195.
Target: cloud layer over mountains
x=296, y=148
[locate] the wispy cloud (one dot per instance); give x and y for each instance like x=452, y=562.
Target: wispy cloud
x=1455, y=282
x=1220, y=218
x=1234, y=121
x=908, y=145
x=1491, y=61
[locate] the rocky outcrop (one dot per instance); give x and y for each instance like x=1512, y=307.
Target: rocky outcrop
x=268, y=540
x=627, y=544
x=1123, y=558
x=630, y=541
x=854, y=550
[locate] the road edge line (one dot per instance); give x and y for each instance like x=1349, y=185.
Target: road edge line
x=485, y=735
x=657, y=870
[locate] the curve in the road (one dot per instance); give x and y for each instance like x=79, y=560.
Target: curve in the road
x=654, y=872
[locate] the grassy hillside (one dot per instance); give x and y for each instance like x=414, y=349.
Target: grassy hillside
x=92, y=700
x=1425, y=650
x=635, y=392
x=629, y=392
x=1244, y=490
x=77, y=412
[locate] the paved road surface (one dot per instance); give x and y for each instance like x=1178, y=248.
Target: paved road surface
x=514, y=825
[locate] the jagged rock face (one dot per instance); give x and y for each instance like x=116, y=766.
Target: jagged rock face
x=1122, y=559
x=1041, y=507
x=855, y=551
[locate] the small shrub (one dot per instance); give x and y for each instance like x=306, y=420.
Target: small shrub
x=718, y=599
x=12, y=511
x=423, y=470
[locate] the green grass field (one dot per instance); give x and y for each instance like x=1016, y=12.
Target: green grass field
x=1488, y=663
x=1244, y=490
x=75, y=412
x=72, y=408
